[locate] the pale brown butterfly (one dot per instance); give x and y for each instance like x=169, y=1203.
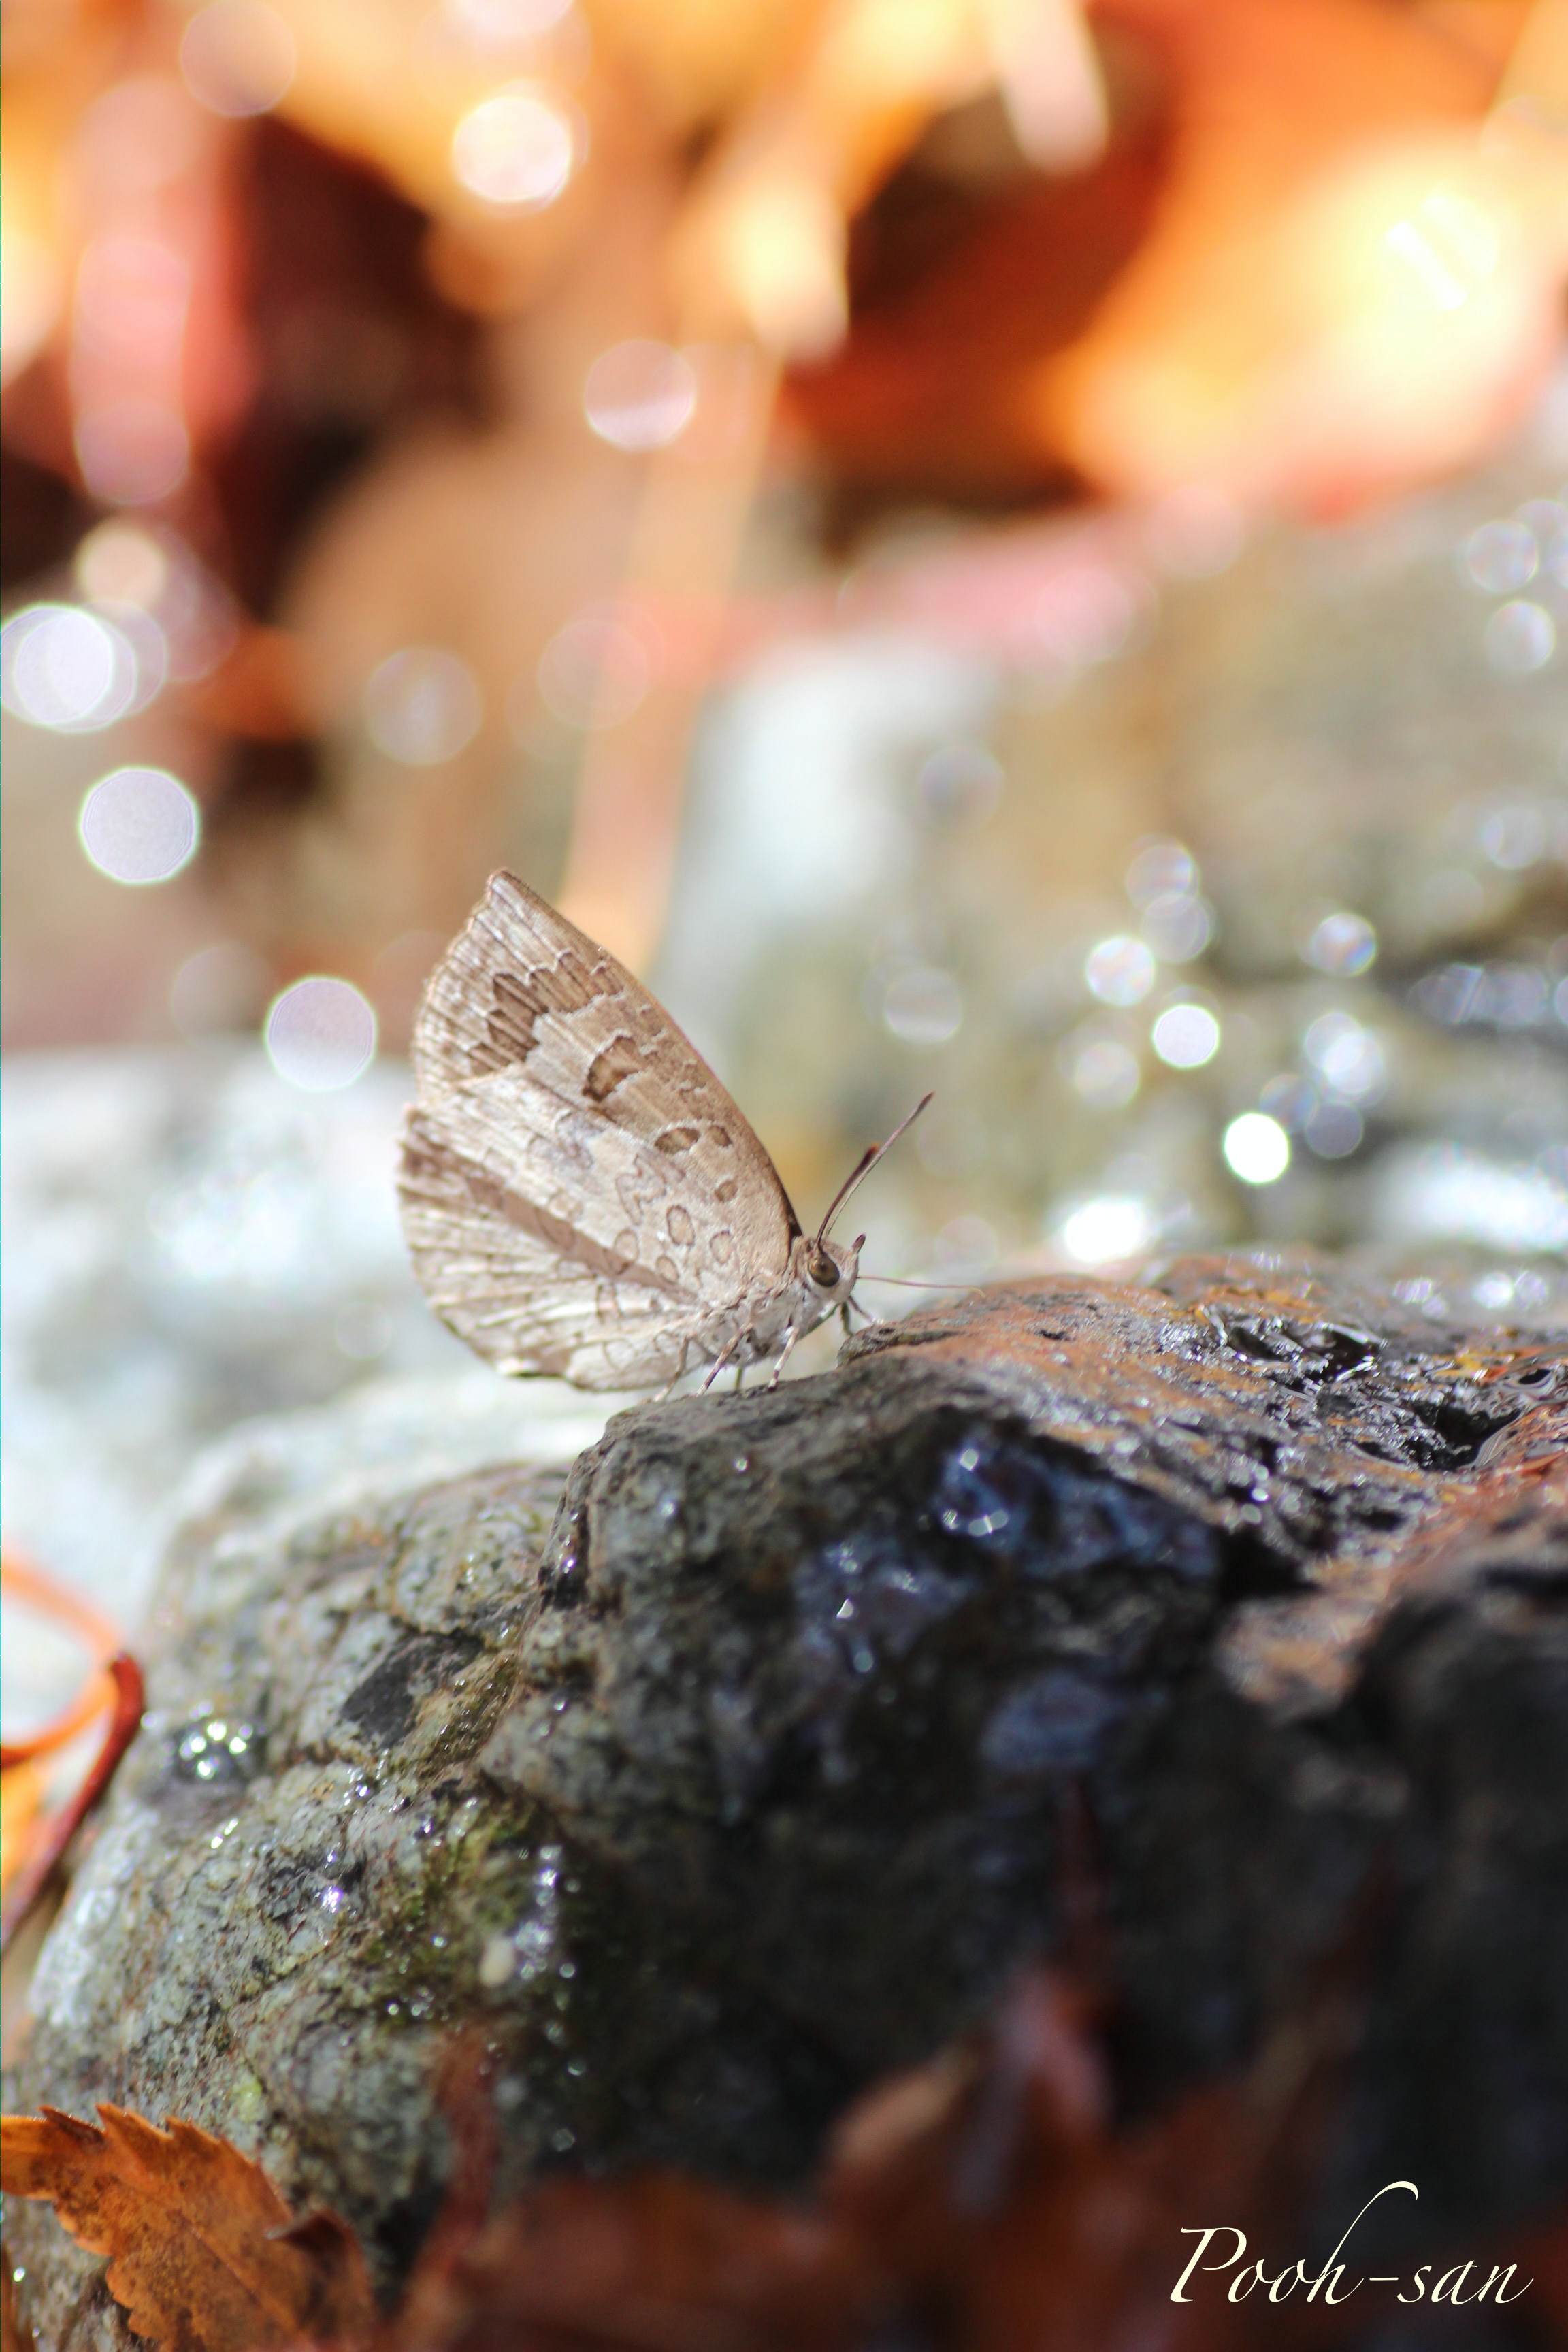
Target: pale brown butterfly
x=579, y=1195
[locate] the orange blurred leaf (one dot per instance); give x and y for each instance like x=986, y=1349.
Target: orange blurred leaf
x=652, y=2263
x=1289, y=324
x=13, y=2336
x=202, y=2253
x=30, y=1847
x=1315, y=263
x=986, y=2201
x=1000, y=2194
x=46, y=1848
x=21, y=1806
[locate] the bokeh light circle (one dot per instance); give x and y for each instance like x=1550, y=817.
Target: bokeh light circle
x=640, y=394
x=1103, y=1070
x=1257, y=1148
x=1346, y=1056
x=320, y=1033
x=1343, y=944
x=1514, y=836
x=138, y=825
x=65, y=669
x=132, y=452
x=595, y=672
x=1114, y=1226
x=1185, y=1036
x=1501, y=556
x=1520, y=638
x=515, y=151
x=923, y=1005
x=1161, y=868
x=1178, y=926
x=121, y=562
x=422, y=706
x=1120, y=969
x=1334, y=1129
x=237, y=57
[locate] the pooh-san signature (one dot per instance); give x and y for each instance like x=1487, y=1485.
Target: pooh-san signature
x=1334, y=2281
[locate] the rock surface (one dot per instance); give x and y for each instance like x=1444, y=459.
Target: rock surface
x=733, y=1771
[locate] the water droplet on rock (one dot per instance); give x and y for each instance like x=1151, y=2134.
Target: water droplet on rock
x=214, y=1750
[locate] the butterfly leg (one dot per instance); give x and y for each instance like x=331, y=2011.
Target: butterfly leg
x=726, y=1356
x=790, y=1336
x=670, y=1385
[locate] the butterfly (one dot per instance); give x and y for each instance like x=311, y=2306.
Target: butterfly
x=579, y=1195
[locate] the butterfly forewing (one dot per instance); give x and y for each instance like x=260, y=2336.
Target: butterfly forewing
x=578, y=1191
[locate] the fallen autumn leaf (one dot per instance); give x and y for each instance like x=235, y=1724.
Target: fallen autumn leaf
x=204, y=2254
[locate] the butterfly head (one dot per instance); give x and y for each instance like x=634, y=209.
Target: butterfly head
x=830, y=1268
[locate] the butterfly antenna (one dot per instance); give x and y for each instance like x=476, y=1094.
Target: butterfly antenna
x=909, y=1282
x=864, y=1165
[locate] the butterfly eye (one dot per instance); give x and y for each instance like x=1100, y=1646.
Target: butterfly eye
x=823, y=1270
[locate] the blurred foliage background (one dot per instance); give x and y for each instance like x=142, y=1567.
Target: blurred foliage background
x=1008, y=545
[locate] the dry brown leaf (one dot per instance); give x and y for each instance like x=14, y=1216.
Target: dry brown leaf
x=204, y=2254
x=983, y=2202
x=992, y=2185
x=652, y=2263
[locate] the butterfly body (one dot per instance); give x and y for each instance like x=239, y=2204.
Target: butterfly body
x=579, y=1195
x=772, y=1315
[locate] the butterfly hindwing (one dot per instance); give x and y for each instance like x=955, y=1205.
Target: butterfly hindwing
x=522, y=1284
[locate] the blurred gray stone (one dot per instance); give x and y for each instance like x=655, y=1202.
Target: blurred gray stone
x=1325, y=729
x=189, y=1242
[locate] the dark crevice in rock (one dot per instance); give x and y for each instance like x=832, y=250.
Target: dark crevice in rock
x=1458, y=1432
x=385, y=1705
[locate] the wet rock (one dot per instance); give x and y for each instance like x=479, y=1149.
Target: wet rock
x=736, y=1768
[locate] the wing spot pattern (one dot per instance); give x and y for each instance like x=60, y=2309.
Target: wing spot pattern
x=676, y=1139
x=509, y=1025
x=521, y=1000
x=679, y=1224
x=614, y=1063
x=725, y=1190
x=556, y=1233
